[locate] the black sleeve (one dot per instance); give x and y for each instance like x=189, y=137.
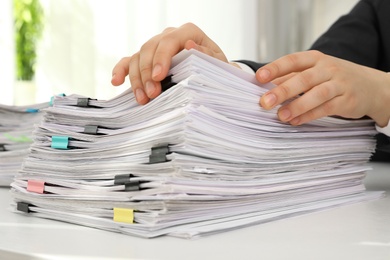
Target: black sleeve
x=252, y=64
x=362, y=36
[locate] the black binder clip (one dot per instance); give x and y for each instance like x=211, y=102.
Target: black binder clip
x=122, y=179
x=2, y=148
x=125, y=179
x=133, y=186
x=23, y=206
x=84, y=102
x=159, y=154
x=91, y=129
x=167, y=83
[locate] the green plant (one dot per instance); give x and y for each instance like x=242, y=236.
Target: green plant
x=28, y=24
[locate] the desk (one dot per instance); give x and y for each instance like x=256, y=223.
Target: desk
x=358, y=231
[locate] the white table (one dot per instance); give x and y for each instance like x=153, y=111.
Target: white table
x=359, y=231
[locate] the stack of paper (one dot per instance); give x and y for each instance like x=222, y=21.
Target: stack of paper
x=201, y=158
x=16, y=125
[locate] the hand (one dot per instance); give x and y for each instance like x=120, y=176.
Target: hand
x=330, y=86
x=151, y=64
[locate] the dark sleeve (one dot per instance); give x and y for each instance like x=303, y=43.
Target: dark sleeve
x=252, y=64
x=382, y=151
x=362, y=36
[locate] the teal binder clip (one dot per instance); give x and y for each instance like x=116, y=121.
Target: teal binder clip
x=60, y=142
x=52, y=98
x=32, y=110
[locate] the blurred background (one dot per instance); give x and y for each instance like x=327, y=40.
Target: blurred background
x=49, y=47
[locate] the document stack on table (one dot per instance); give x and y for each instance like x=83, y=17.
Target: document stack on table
x=16, y=125
x=201, y=158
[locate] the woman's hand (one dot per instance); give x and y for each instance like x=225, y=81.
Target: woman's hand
x=330, y=86
x=151, y=64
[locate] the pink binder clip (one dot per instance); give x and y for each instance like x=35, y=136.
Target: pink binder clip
x=36, y=186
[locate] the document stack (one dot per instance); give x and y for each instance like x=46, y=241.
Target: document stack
x=16, y=125
x=201, y=158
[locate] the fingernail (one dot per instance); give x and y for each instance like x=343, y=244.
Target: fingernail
x=284, y=114
x=150, y=88
x=156, y=70
x=269, y=100
x=264, y=74
x=139, y=95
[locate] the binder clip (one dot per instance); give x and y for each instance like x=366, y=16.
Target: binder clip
x=123, y=215
x=2, y=148
x=158, y=154
x=121, y=179
x=23, y=206
x=84, y=102
x=59, y=142
x=167, y=83
x=36, y=186
x=32, y=110
x=125, y=179
x=91, y=129
x=133, y=186
x=52, y=98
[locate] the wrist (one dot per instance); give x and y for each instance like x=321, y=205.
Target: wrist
x=380, y=111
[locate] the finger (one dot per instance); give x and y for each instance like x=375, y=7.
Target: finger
x=325, y=109
x=145, y=66
x=316, y=97
x=173, y=42
x=282, y=79
x=120, y=71
x=190, y=44
x=136, y=82
x=297, y=84
x=294, y=62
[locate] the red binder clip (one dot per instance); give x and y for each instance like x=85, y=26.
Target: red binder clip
x=36, y=186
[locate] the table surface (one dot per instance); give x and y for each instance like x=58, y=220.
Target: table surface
x=358, y=231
